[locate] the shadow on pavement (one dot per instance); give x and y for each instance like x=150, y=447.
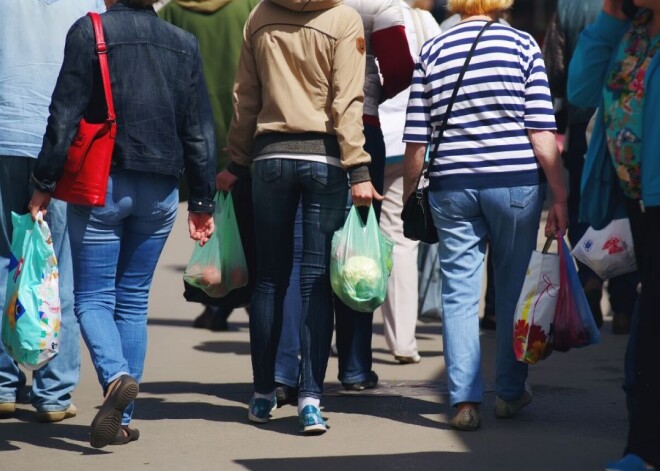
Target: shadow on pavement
x=57, y=436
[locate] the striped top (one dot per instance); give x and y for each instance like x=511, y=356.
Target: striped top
x=504, y=93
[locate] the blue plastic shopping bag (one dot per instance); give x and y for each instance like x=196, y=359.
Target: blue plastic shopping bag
x=574, y=325
x=31, y=315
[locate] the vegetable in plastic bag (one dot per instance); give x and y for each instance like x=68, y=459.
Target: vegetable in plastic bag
x=361, y=262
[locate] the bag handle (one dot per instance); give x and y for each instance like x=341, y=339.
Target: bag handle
x=102, y=53
x=450, y=105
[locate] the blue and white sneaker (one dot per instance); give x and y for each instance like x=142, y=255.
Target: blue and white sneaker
x=260, y=408
x=630, y=462
x=311, y=422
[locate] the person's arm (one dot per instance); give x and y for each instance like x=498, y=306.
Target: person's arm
x=395, y=63
x=390, y=46
x=413, y=162
x=595, y=48
x=547, y=153
x=198, y=141
x=540, y=126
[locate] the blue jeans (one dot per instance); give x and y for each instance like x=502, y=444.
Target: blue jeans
x=466, y=221
x=354, y=329
x=287, y=363
x=51, y=385
x=116, y=249
x=278, y=186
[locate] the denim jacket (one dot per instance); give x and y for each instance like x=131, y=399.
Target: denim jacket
x=164, y=119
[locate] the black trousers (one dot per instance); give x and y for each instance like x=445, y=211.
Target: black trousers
x=644, y=433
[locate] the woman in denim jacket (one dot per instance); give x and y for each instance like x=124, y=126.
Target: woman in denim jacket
x=164, y=125
x=615, y=68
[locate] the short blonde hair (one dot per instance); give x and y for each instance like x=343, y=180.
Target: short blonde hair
x=478, y=7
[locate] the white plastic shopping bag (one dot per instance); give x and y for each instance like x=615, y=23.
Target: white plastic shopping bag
x=608, y=252
x=535, y=311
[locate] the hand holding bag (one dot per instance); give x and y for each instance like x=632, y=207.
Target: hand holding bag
x=87, y=168
x=416, y=214
x=219, y=266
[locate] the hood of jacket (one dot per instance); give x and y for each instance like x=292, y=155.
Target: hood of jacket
x=203, y=6
x=307, y=5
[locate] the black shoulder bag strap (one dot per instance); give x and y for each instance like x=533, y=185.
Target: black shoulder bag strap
x=450, y=105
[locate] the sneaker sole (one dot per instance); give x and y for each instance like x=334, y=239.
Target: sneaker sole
x=57, y=416
x=316, y=429
x=108, y=420
x=255, y=419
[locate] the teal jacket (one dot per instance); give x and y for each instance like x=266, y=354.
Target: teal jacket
x=218, y=25
x=592, y=63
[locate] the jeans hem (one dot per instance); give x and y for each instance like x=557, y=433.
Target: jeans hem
x=478, y=398
x=114, y=377
x=286, y=381
x=355, y=379
x=53, y=408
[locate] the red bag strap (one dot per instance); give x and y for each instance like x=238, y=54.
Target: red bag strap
x=102, y=52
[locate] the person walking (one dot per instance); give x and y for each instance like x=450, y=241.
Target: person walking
x=164, y=124
x=401, y=304
x=32, y=35
x=218, y=26
x=615, y=68
x=388, y=56
x=486, y=186
x=560, y=42
x=298, y=117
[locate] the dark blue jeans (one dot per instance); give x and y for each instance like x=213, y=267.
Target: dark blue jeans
x=287, y=363
x=278, y=187
x=354, y=329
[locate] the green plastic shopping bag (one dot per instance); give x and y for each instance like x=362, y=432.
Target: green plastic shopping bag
x=31, y=315
x=219, y=266
x=361, y=262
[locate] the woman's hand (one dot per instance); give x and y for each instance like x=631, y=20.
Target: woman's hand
x=39, y=202
x=613, y=8
x=557, y=219
x=363, y=193
x=225, y=180
x=200, y=226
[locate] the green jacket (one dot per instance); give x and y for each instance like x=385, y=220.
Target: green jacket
x=218, y=25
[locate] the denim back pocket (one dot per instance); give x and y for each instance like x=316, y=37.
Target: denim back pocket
x=268, y=170
x=522, y=195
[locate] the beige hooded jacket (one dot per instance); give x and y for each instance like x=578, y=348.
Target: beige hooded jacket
x=301, y=72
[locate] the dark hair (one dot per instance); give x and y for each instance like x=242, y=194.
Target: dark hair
x=139, y=3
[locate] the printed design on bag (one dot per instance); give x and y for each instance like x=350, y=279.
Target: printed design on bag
x=530, y=341
x=15, y=310
x=588, y=245
x=614, y=245
x=16, y=264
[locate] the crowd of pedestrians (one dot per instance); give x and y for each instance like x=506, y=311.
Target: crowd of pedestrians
x=320, y=105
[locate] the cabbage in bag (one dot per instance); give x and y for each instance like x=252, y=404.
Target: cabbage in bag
x=361, y=262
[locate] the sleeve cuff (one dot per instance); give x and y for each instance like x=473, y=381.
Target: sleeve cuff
x=238, y=170
x=201, y=205
x=359, y=174
x=46, y=186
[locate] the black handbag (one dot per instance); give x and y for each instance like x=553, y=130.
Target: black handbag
x=416, y=214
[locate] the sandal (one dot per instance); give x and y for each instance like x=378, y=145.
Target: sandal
x=107, y=422
x=126, y=435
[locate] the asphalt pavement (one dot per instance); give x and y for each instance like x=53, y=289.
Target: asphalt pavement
x=192, y=407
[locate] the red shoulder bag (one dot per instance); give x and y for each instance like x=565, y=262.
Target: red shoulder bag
x=87, y=167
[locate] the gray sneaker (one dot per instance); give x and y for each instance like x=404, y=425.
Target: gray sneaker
x=507, y=409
